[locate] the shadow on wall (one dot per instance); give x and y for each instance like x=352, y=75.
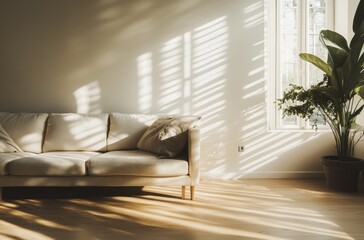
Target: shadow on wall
x=202, y=57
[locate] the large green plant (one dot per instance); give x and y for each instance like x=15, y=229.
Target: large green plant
x=335, y=96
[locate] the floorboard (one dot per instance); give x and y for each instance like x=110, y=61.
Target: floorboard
x=222, y=210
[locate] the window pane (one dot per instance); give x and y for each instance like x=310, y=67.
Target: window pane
x=299, y=26
x=288, y=42
x=318, y=118
x=316, y=22
x=288, y=55
x=290, y=121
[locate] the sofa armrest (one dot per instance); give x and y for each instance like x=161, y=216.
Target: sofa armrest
x=194, y=155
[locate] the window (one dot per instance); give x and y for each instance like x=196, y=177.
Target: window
x=297, y=24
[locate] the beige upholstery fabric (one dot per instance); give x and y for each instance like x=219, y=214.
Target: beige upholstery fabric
x=76, y=132
x=51, y=164
x=126, y=130
x=82, y=168
x=194, y=153
x=6, y=142
x=167, y=136
x=135, y=163
x=5, y=158
x=26, y=129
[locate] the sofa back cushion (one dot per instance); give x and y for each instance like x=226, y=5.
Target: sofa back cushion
x=25, y=129
x=126, y=130
x=76, y=132
x=7, y=144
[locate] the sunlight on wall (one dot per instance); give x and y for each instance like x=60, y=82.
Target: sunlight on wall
x=190, y=71
x=264, y=149
x=255, y=15
x=171, y=76
x=187, y=72
x=200, y=57
x=87, y=98
x=145, y=83
x=209, y=68
x=188, y=76
x=213, y=65
x=267, y=149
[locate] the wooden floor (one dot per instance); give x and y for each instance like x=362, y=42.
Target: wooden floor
x=222, y=210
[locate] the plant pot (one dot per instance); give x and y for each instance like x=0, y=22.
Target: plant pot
x=342, y=176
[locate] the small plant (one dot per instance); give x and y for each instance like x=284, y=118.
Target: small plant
x=339, y=96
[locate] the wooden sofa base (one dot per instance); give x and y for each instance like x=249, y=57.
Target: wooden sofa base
x=192, y=192
x=93, y=181
x=183, y=194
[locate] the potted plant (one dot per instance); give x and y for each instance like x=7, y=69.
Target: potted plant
x=338, y=98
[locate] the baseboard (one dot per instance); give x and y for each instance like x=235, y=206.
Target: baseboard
x=242, y=175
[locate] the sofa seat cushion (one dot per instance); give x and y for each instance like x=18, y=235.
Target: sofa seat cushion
x=5, y=158
x=135, y=163
x=51, y=164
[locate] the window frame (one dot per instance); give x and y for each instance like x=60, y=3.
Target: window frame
x=273, y=51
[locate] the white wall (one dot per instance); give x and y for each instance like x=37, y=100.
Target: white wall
x=344, y=14
x=202, y=57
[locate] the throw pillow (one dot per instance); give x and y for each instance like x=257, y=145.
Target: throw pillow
x=167, y=136
x=6, y=142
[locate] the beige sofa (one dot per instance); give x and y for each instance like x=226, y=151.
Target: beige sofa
x=39, y=149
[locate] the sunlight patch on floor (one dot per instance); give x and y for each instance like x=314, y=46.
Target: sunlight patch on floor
x=240, y=209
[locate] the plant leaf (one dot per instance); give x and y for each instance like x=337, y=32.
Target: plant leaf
x=357, y=35
x=356, y=73
x=357, y=112
x=337, y=46
x=318, y=62
x=330, y=93
x=356, y=46
x=359, y=18
x=360, y=91
x=353, y=65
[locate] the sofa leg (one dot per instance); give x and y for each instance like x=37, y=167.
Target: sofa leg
x=192, y=192
x=183, y=192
